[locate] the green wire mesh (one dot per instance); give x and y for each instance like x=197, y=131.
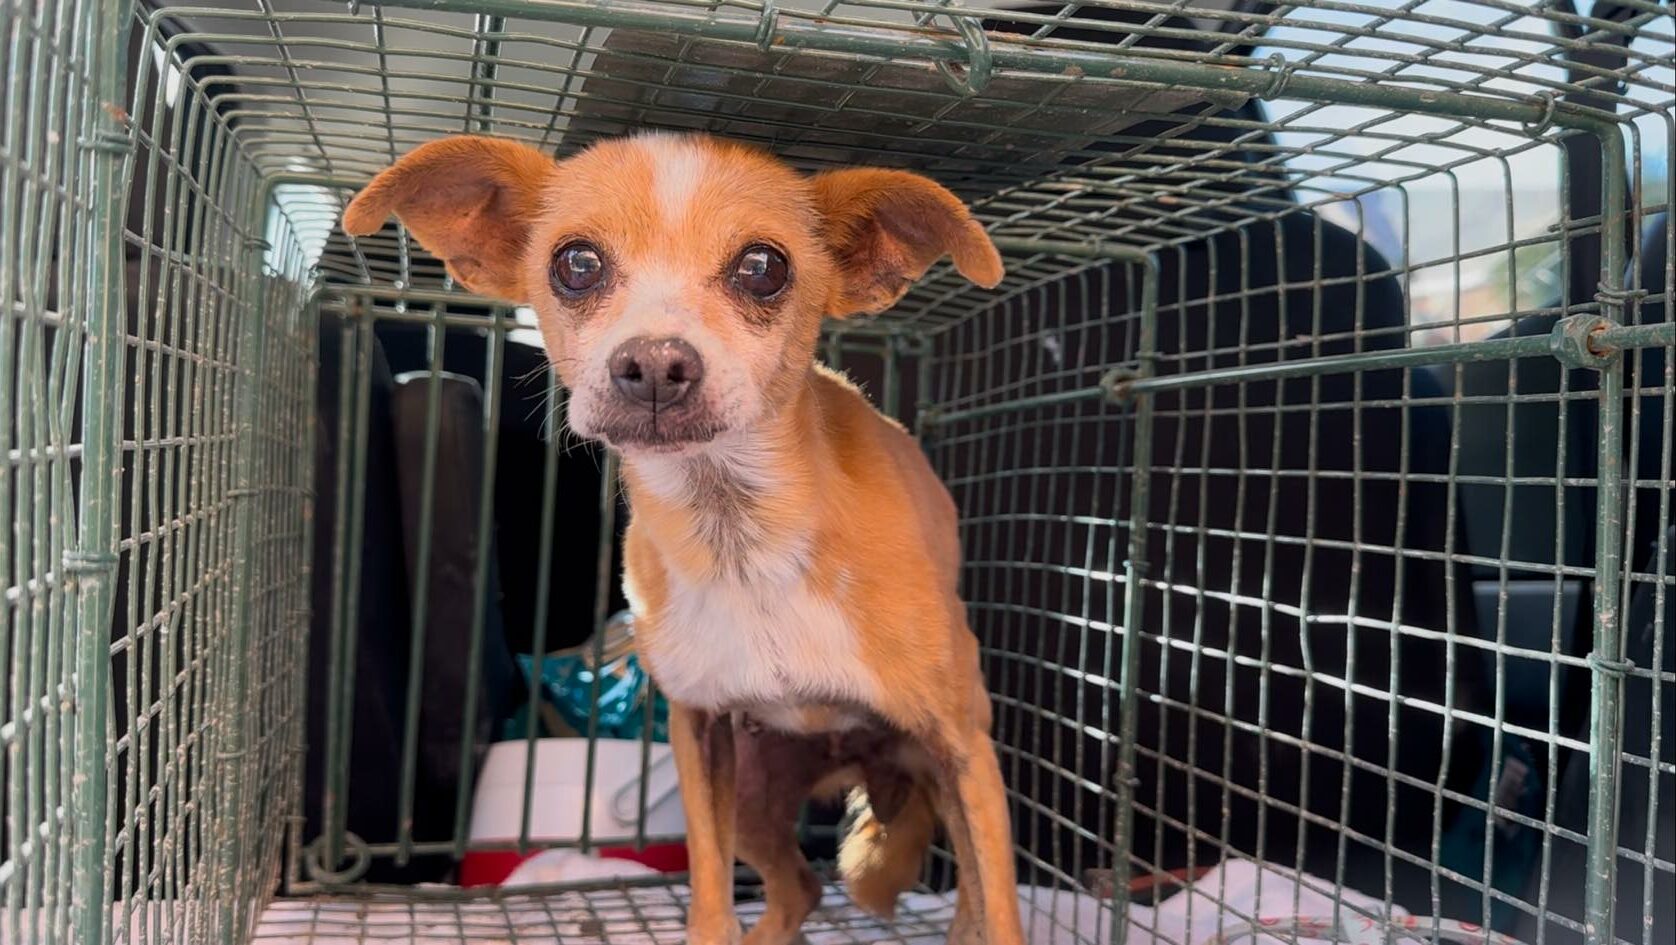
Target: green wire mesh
x=1317, y=440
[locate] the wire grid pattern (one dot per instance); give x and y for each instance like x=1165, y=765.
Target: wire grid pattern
x=1307, y=678
x=629, y=913
x=41, y=336
x=154, y=527
x=1646, y=851
x=507, y=397
x=1040, y=152
x=217, y=404
x=301, y=101
x=217, y=412
x=1042, y=495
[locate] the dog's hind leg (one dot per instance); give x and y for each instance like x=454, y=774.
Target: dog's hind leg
x=775, y=775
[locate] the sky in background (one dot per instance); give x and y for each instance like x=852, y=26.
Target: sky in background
x=1434, y=217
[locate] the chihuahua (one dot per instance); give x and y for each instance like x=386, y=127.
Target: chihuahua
x=791, y=559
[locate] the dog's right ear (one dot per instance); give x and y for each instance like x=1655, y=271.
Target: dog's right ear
x=469, y=200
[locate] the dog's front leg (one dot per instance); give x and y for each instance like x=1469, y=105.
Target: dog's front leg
x=967, y=928
x=972, y=776
x=703, y=748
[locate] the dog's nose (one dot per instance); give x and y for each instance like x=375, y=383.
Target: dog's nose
x=657, y=372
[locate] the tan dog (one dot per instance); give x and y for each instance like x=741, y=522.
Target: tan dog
x=791, y=559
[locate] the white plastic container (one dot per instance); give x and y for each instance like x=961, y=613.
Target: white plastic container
x=559, y=793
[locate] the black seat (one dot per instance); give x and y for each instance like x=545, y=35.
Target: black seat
x=1232, y=687
x=1273, y=509
x=378, y=630
x=522, y=449
x=1645, y=455
x=1521, y=604
x=1644, y=376
x=1321, y=462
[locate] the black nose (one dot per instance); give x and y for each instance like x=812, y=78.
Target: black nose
x=657, y=372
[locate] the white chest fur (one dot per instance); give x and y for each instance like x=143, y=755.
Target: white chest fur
x=732, y=642
x=753, y=631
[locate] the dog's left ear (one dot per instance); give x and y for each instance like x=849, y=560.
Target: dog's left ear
x=885, y=229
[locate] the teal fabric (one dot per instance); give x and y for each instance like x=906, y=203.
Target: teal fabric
x=567, y=684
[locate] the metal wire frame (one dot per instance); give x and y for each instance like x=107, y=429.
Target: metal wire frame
x=239, y=339
x=337, y=856
x=46, y=318
x=156, y=406
x=1036, y=215
x=603, y=912
x=1044, y=509
x=1037, y=402
x=1128, y=189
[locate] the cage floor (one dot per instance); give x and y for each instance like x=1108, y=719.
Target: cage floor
x=1270, y=905
x=612, y=915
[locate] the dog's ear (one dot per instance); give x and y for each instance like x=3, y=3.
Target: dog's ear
x=885, y=228
x=468, y=200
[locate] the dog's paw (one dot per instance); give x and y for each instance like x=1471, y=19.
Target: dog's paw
x=767, y=935
x=714, y=934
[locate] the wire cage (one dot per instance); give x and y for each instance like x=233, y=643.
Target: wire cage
x=1313, y=459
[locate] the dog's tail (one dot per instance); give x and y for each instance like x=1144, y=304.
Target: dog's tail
x=880, y=860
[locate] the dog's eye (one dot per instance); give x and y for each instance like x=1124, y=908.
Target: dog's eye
x=577, y=267
x=761, y=271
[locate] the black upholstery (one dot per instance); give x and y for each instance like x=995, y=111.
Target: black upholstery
x=1309, y=288
x=395, y=439
x=1323, y=577
x=467, y=692
x=1644, y=376
x=519, y=469
x=1645, y=453
x=379, y=631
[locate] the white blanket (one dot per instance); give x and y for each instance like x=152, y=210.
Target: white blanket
x=1237, y=903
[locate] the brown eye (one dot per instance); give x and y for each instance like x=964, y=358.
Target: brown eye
x=761, y=271
x=577, y=267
